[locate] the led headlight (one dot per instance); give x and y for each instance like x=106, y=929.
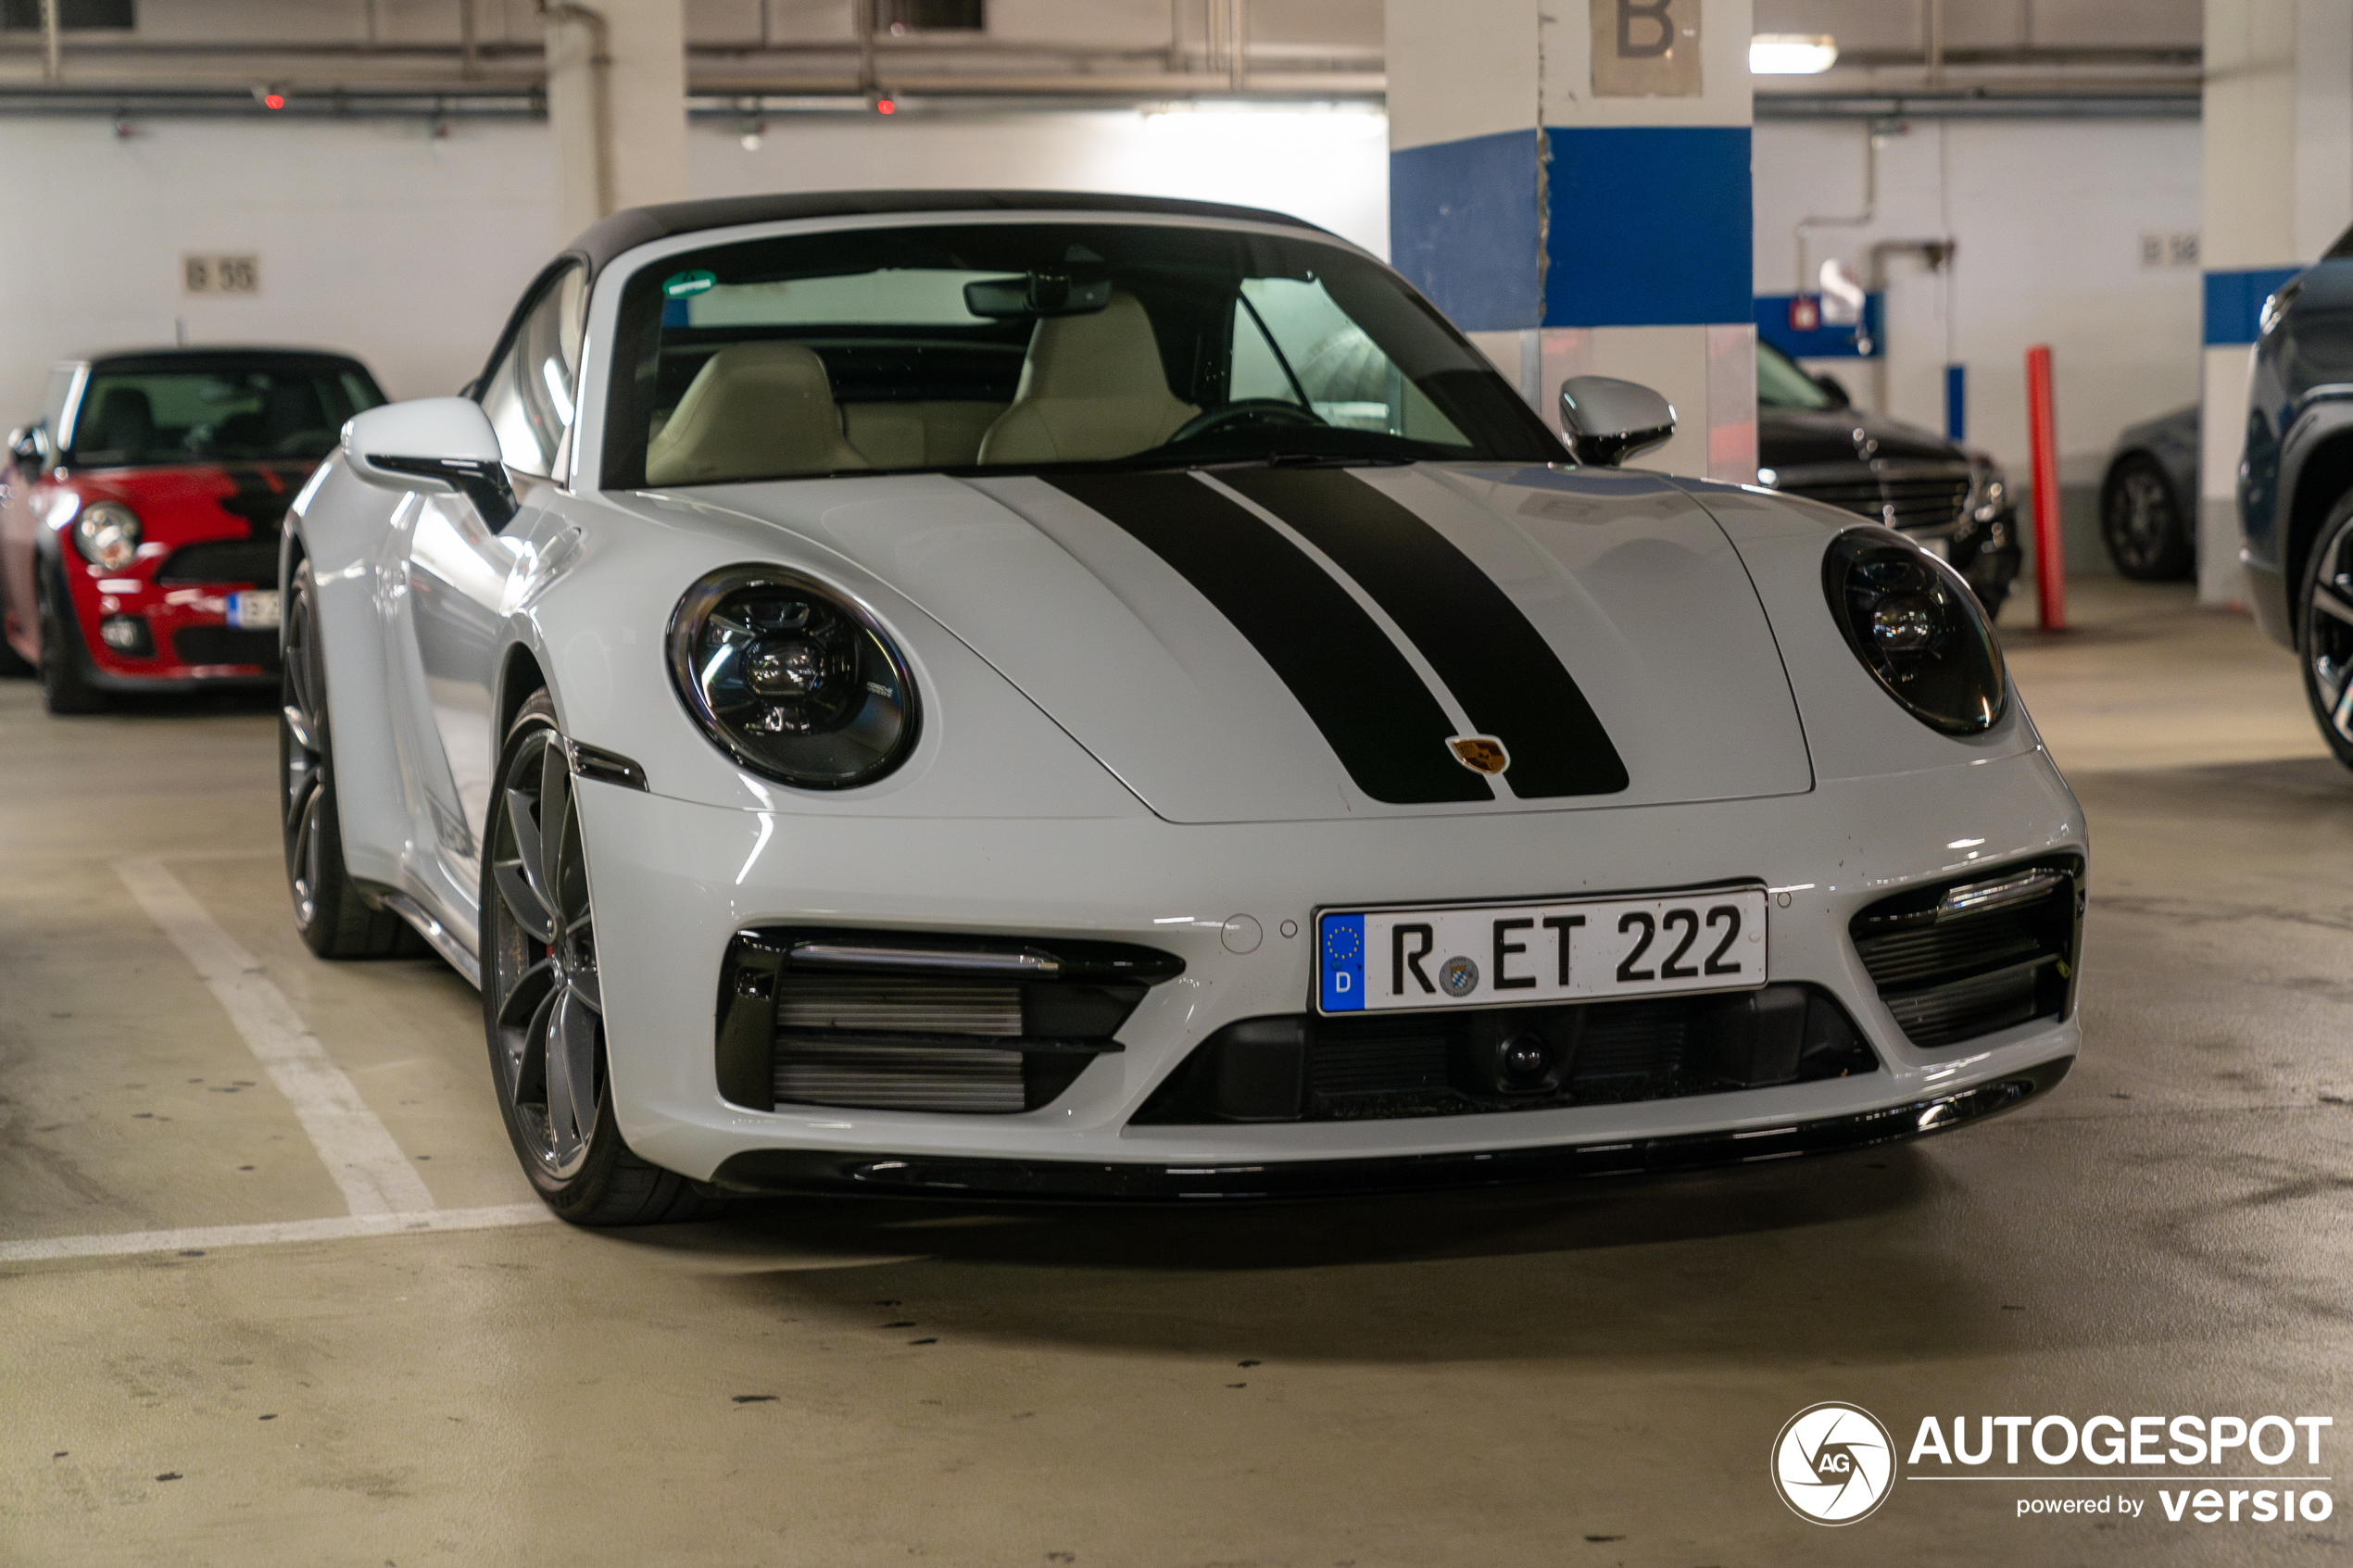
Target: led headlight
x=1918, y=629
x=108, y=535
x=791, y=679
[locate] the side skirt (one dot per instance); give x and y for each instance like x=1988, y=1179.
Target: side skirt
x=436, y=935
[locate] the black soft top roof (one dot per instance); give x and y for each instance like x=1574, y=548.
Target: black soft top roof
x=169, y=358
x=601, y=242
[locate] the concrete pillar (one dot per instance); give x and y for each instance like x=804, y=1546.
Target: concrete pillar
x=616, y=106
x=1569, y=181
x=2279, y=190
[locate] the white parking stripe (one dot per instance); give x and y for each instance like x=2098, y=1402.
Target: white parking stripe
x=205, y=1238
x=376, y=1178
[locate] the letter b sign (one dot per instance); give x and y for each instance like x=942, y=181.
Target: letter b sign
x=1647, y=48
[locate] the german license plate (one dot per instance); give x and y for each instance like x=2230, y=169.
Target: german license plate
x=1498, y=955
x=256, y=609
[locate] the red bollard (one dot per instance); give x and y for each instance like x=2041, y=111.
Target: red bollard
x=2050, y=570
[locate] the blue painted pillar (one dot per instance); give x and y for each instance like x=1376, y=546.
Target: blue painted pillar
x=1570, y=184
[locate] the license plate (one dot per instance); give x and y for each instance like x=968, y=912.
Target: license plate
x=255, y=609
x=1515, y=954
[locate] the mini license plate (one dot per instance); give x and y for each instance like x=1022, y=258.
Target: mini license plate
x=1498, y=955
x=256, y=609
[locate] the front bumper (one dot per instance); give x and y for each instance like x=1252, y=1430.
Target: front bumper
x=673, y=881
x=184, y=637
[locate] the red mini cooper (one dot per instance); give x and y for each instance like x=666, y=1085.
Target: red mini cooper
x=139, y=537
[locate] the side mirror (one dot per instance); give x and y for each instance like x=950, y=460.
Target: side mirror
x=1607, y=421
x=435, y=445
x=1834, y=389
x=24, y=449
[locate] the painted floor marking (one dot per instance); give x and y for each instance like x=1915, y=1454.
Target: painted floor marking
x=205, y=1238
x=376, y=1178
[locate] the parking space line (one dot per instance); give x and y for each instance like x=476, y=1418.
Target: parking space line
x=376, y=1178
x=205, y=1238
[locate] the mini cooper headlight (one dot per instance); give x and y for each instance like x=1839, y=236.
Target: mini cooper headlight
x=790, y=678
x=1918, y=629
x=108, y=535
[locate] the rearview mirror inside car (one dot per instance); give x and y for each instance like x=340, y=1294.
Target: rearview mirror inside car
x=1038, y=293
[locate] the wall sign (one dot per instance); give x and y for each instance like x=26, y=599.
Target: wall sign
x=219, y=274
x=1647, y=48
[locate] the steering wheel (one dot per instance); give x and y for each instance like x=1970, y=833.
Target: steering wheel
x=1271, y=411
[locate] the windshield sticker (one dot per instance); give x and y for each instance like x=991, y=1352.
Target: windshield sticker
x=683, y=285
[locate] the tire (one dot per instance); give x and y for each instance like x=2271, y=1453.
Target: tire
x=66, y=688
x=542, y=1000
x=2324, y=636
x=2148, y=533
x=335, y=922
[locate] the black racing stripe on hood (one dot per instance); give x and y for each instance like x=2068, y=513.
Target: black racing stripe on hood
x=1499, y=666
x=1373, y=708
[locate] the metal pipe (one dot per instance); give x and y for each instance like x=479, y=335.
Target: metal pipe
x=368, y=17
x=469, y=62
x=1935, y=17
x=1236, y=31
x=53, y=48
x=599, y=68
x=1871, y=206
x=862, y=12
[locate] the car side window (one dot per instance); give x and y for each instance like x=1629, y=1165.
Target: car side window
x=530, y=395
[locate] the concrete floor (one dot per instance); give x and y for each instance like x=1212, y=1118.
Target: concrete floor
x=1589, y=1376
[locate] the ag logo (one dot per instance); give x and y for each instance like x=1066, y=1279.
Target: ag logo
x=1480, y=754
x=1833, y=1464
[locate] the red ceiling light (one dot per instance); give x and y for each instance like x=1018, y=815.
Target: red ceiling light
x=274, y=100
x=884, y=105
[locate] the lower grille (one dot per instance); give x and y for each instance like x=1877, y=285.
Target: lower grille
x=223, y=561
x=1301, y=1068
x=886, y=1022
x=1958, y=960
x=225, y=644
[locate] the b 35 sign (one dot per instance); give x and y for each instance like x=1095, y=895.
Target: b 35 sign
x=1647, y=48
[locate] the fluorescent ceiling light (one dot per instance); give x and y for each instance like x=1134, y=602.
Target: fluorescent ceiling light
x=1792, y=54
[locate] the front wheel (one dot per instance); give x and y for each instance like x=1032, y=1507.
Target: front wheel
x=543, y=998
x=2327, y=631
x=2147, y=534
x=66, y=688
x=334, y=921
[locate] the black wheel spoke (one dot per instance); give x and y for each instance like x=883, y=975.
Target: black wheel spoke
x=528, y=993
x=523, y=900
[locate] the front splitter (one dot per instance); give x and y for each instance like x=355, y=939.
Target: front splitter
x=924, y=1175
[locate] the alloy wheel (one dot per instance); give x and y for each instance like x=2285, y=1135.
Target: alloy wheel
x=2328, y=632
x=549, y=1008
x=301, y=745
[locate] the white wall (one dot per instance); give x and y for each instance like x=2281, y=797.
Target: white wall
x=408, y=249
x=2049, y=216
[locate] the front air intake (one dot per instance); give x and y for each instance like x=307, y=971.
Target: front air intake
x=1962, y=960
x=884, y=1021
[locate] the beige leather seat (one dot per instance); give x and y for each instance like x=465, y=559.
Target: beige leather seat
x=1092, y=386
x=754, y=410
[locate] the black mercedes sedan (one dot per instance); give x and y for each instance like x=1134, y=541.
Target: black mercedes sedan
x=1811, y=441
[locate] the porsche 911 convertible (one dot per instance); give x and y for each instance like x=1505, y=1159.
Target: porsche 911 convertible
x=1057, y=697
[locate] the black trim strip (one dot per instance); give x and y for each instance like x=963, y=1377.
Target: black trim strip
x=950, y=1176
x=1499, y=666
x=1372, y=707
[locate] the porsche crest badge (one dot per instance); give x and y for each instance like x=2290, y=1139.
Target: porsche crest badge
x=1480, y=754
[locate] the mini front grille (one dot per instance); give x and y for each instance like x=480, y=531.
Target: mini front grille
x=1928, y=498
x=1958, y=960
x=223, y=561
x=890, y=1021
x=225, y=644
x=1301, y=1068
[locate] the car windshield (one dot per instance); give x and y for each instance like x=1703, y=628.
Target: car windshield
x=1781, y=384
x=199, y=408
x=996, y=348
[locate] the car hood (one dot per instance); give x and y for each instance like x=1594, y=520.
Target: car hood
x=198, y=500
x=1304, y=643
x=1805, y=437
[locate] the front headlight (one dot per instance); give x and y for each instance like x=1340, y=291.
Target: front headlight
x=1918, y=629
x=108, y=535
x=1989, y=492
x=790, y=678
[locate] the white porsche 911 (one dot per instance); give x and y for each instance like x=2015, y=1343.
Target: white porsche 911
x=1064, y=696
